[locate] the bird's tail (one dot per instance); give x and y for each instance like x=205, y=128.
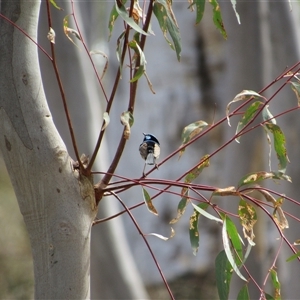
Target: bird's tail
x=150, y=159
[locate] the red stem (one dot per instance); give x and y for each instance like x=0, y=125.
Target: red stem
x=133, y=88
x=147, y=244
x=62, y=92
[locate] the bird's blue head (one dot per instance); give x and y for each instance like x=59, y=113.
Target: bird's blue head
x=150, y=137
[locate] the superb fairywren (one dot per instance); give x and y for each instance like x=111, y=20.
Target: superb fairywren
x=149, y=150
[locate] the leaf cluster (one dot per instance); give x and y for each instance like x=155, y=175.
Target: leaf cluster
x=253, y=106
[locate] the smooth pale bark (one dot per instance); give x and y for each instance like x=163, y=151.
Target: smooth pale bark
x=113, y=270
x=244, y=66
x=57, y=204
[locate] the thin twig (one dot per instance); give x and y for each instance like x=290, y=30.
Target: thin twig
x=87, y=51
x=147, y=244
x=62, y=92
x=133, y=87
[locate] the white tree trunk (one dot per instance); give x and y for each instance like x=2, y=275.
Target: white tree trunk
x=111, y=259
x=58, y=206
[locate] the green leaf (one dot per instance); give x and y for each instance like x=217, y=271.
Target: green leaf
x=149, y=203
x=269, y=297
x=163, y=11
x=223, y=275
x=55, y=5
x=293, y=256
x=68, y=30
x=235, y=240
x=296, y=89
x=242, y=96
x=142, y=67
x=217, y=17
x=191, y=131
x=200, y=5
x=276, y=285
x=181, y=205
x=280, y=175
x=243, y=293
x=204, y=163
x=120, y=42
x=124, y=15
x=255, y=177
x=279, y=146
x=112, y=19
x=227, y=248
x=274, y=278
x=206, y=214
x=247, y=117
x=247, y=94
x=194, y=233
x=267, y=116
x=233, y=2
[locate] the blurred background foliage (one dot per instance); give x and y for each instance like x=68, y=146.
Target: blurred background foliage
x=16, y=270
x=212, y=71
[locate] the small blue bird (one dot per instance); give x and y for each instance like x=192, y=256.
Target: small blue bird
x=149, y=150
